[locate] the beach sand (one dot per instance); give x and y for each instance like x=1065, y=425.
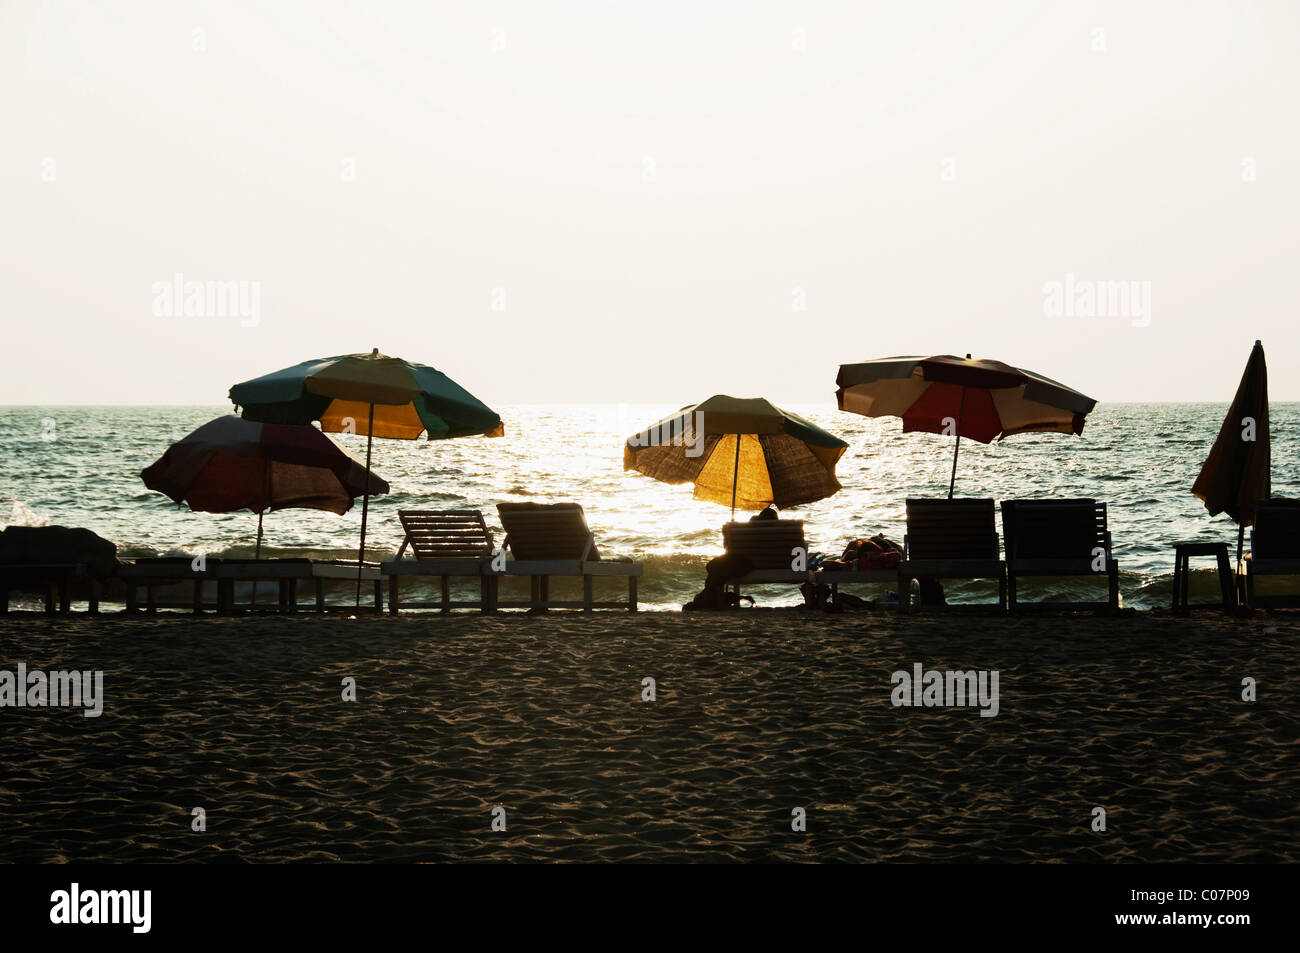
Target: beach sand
x=757, y=712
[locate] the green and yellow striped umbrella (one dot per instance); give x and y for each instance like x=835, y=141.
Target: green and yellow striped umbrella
x=743, y=451
x=371, y=394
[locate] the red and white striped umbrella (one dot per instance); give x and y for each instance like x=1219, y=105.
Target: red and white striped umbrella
x=977, y=399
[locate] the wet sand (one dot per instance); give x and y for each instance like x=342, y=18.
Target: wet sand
x=758, y=712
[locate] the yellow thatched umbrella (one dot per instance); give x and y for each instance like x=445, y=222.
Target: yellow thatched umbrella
x=746, y=452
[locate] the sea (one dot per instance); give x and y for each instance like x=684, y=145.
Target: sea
x=80, y=466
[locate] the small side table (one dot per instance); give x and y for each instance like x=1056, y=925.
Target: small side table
x=1227, y=585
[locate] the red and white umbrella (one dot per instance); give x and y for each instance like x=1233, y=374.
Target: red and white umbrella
x=977, y=399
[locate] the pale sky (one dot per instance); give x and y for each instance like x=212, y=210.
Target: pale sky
x=646, y=201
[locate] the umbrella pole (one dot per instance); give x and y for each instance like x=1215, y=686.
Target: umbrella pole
x=956, y=447
x=365, y=503
x=257, y=555
x=735, y=477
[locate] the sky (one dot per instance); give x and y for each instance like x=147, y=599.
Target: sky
x=646, y=201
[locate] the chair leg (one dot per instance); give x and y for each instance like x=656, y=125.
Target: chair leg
x=631, y=594
x=1002, y=591
x=1113, y=587
x=393, y=596
x=1227, y=584
x=586, y=593
x=546, y=591
x=1011, y=591
x=93, y=605
x=65, y=598
x=446, y=594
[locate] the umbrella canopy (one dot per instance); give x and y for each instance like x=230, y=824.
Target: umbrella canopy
x=230, y=464
x=978, y=399
x=746, y=452
x=1236, y=474
x=370, y=394
x=373, y=394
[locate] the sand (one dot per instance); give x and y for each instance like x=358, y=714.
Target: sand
x=757, y=712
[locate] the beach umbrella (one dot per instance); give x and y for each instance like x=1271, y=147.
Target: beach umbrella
x=1236, y=474
x=747, y=452
x=230, y=464
x=373, y=394
x=977, y=399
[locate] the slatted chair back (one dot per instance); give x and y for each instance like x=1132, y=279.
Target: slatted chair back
x=541, y=531
x=765, y=543
x=445, y=534
x=1277, y=529
x=951, y=529
x=1054, y=529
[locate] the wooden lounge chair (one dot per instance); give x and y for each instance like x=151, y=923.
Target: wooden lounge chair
x=1274, y=551
x=950, y=539
x=445, y=544
x=771, y=547
x=163, y=572
x=554, y=540
x=1058, y=538
x=286, y=574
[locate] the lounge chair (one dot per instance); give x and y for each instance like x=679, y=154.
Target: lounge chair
x=445, y=544
x=286, y=574
x=1274, y=551
x=62, y=562
x=770, y=548
x=162, y=572
x=950, y=539
x=554, y=540
x=1058, y=538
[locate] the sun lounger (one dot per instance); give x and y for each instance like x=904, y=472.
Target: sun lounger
x=1058, y=538
x=444, y=544
x=286, y=575
x=950, y=539
x=771, y=547
x=151, y=575
x=554, y=540
x=1274, y=551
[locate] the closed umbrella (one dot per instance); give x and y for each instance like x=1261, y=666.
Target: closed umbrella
x=374, y=394
x=977, y=399
x=747, y=452
x=230, y=464
x=1236, y=474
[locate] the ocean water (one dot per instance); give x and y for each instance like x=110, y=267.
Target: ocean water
x=80, y=466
